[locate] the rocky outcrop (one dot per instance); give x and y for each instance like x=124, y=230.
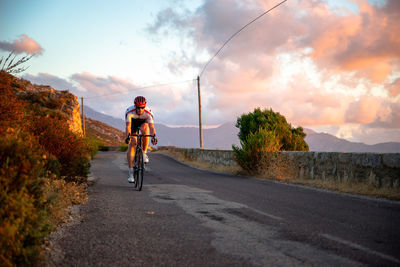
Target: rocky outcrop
x=51, y=100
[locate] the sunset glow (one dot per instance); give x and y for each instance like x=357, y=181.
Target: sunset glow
x=330, y=66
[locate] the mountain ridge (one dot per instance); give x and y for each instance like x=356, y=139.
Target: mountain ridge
x=225, y=135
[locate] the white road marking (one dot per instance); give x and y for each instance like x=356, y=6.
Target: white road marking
x=267, y=214
x=359, y=247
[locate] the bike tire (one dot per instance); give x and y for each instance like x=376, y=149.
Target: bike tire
x=140, y=171
x=135, y=169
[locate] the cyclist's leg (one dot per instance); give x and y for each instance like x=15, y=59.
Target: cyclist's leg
x=145, y=130
x=131, y=151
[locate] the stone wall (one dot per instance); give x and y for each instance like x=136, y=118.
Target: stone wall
x=381, y=170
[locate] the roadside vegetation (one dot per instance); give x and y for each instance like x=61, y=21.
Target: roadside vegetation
x=43, y=172
x=262, y=133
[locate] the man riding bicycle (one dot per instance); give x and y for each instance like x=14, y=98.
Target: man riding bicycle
x=137, y=117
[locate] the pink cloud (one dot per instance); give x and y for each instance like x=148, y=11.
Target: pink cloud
x=367, y=43
x=333, y=62
x=96, y=86
x=394, y=88
x=363, y=111
x=24, y=44
x=375, y=112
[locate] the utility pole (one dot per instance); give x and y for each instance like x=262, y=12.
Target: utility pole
x=83, y=118
x=200, y=121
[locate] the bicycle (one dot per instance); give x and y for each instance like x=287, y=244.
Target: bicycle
x=138, y=163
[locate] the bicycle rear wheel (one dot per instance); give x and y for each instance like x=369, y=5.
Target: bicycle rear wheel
x=140, y=171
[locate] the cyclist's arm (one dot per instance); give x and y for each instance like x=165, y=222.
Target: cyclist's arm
x=128, y=128
x=152, y=130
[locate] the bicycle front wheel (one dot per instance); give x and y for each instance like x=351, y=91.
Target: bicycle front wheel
x=136, y=168
x=140, y=171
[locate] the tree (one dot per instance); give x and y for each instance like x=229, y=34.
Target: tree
x=290, y=138
x=9, y=64
x=262, y=133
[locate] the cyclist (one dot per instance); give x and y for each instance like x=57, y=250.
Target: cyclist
x=137, y=117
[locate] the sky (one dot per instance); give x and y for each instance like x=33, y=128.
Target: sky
x=330, y=66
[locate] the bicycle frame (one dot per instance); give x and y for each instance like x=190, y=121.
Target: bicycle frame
x=138, y=167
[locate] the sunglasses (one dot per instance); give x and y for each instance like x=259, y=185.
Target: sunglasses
x=140, y=107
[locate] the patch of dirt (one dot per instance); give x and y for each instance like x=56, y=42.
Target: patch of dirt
x=53, y=254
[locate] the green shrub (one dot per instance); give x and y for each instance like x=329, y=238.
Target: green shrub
x=93, y=145
x=291, y=139
x=37, y=150
x=257, y=151
x=123, y=148
x=70, y=149
x=262, y=133
x=12, y=109
x=23, y=221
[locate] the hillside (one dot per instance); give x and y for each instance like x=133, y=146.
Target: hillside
x=100, y=130
x=45, y=165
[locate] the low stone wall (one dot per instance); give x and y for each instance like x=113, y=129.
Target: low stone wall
x=213, y=156
x=381, y=170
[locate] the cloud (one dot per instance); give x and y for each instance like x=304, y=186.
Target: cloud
x=372, y=136
x=54, y=81
x=318, y=65
x=366, y=110
x=166, y=17
x=366, y=42
x=95, y=86
x=111, y=95
x=314, y=63
x=24, y=44
x=394, y=88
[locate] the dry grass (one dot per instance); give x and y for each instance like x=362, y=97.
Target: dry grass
x=202, y=164
x=282, y=171
x=61, y=196
x=342, y=187
x=351, y=188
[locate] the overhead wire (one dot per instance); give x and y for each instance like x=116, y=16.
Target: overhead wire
x=204, y=68
x=236, y=33
x=140, y=88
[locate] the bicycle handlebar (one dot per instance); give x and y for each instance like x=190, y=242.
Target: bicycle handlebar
x=144, y=135
x=153, y=140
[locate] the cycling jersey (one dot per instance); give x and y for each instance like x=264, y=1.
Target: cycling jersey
x=146, y=117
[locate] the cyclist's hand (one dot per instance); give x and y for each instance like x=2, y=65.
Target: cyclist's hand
x=154, y=140
x=127, y=139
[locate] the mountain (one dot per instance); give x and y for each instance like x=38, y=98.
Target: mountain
x=225, y=135
x=222, y=137
x=329, y=143
x=111, y=121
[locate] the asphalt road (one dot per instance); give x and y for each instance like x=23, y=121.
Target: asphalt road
x=190, y=217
